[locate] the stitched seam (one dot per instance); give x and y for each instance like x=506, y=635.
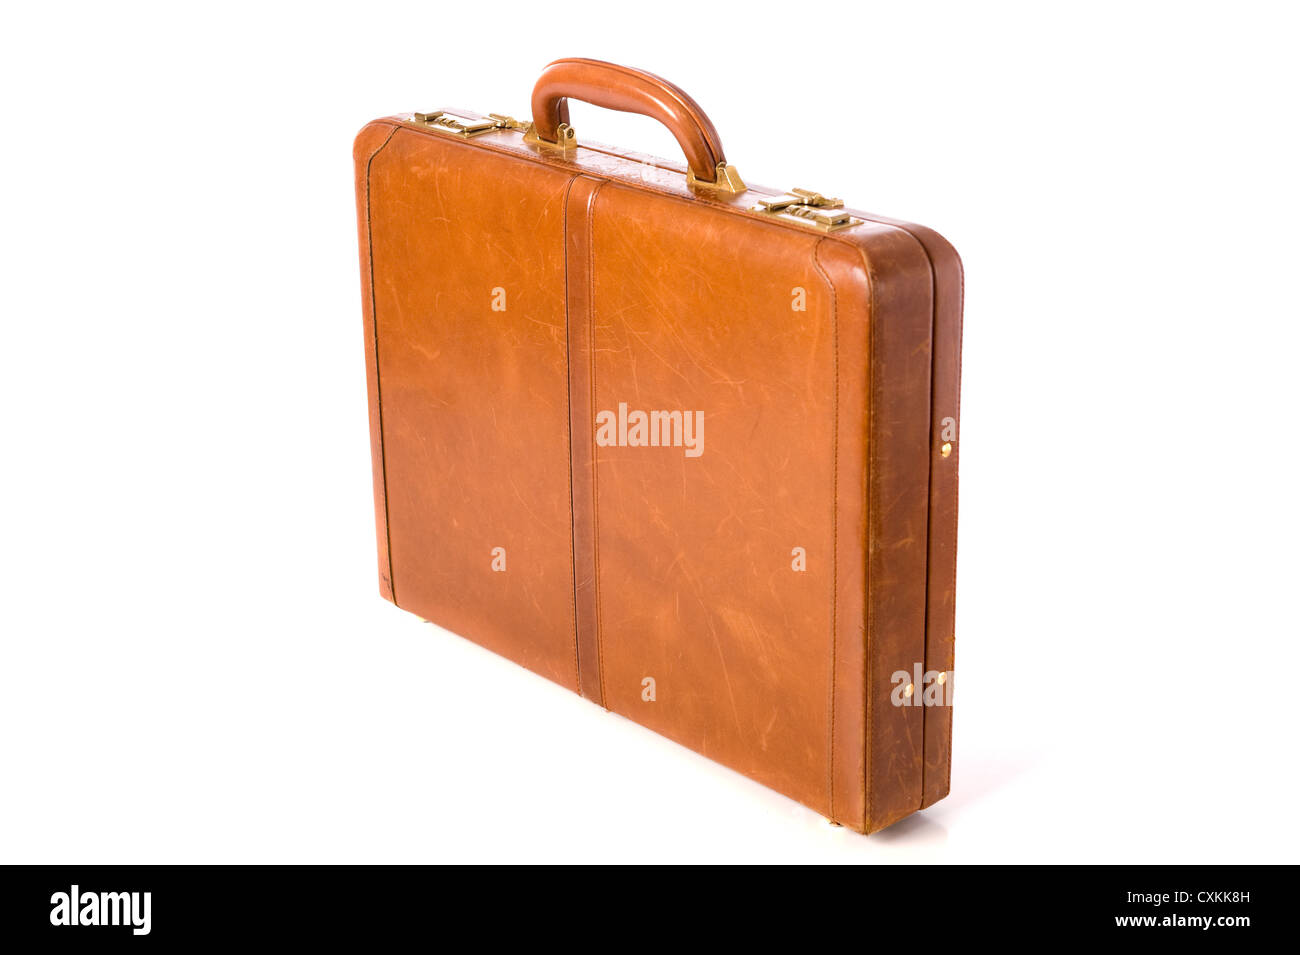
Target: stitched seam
x=929, y=502
x=929, y=499
x=956, y=497
x=874, y=492
x=835, y=551
x=379, y=403
x=568, y=365
x=868, y=697
x=595, y=491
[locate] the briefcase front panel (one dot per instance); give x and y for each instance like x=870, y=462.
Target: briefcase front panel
x=664, y=450
x=473, y=395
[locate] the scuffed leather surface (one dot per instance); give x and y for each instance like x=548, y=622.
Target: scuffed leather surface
x=696, y=587
x=474, y=401
x=818, y=435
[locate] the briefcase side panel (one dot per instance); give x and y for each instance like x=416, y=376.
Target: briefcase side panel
x=945, y=389
x=889, y=268
x=945, y=449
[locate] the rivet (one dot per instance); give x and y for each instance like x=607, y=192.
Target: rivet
x=946, y=449
x=942, y=678
x=910, y=690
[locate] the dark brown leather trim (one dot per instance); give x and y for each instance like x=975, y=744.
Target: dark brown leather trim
x=899, y=284
x=941, y=566
x=942, y=570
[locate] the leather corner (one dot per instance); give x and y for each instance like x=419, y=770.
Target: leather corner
x=371, y=139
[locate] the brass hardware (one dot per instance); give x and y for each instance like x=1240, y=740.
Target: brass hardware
x=910, y=690
x=942, y=678
x=459, y=124
x=726, y=179
x=946, y=449
x=808, y=208
x=509, y=122
x=567, y=140
x=801, y=197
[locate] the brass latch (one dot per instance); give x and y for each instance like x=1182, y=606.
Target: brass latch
x=460, y=125
x=566, y=138
x=808, y=208
x=726, y=179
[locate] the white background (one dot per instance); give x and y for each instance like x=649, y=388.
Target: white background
x=195, y=662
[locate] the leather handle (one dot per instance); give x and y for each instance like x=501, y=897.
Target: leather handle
x=629, y=91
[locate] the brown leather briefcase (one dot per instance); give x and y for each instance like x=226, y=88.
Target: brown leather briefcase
x=686, y=447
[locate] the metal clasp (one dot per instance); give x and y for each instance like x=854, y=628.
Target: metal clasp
x=459, y=124
x=808, y=208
